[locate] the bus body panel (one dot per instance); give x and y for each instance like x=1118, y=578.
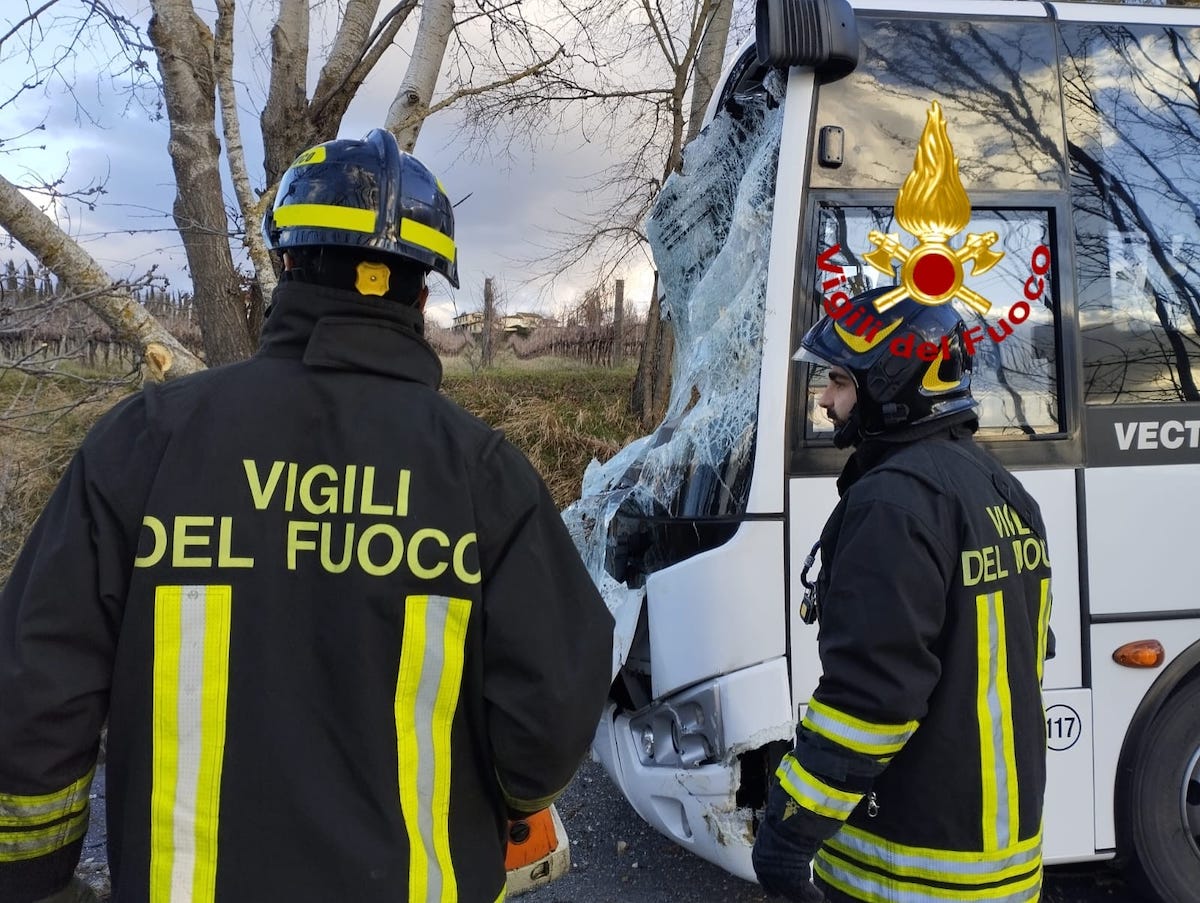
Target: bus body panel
x=1141, y=540
x=718, y=611
x=1117, y=692
x=1070, y=789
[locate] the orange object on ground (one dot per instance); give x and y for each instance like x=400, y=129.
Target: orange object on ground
x=530, y=839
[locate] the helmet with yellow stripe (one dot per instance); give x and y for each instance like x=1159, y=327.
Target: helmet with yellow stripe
x=365, y=196
x=909, y=365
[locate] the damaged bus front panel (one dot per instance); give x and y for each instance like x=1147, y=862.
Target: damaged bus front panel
x=1074, y=140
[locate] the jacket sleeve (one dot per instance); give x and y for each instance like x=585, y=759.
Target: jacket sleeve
x=59, y=614
x=547, y=633
x=885, y=609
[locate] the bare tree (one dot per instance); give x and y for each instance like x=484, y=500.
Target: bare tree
x=85, y=278
x=196, y=65
x=643, y=91
x=184, y=47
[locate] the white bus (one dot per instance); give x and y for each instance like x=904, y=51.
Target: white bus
x=1076, y=129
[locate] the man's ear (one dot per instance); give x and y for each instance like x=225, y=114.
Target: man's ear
x=422, y=297
x=288, y=263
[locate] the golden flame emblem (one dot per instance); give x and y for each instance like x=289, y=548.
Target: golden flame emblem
x=933, y=206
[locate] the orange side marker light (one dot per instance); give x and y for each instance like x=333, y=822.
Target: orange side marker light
x=1140, y=654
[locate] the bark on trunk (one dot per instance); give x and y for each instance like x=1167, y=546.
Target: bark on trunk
x=652, y=384
x=251, y=207
x=411, y=104
x=86, y=279
x=709, y=62
x=184, y=47
x=487, y=347
x=286, y=128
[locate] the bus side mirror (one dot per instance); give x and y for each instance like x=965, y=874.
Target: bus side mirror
x=818, y=34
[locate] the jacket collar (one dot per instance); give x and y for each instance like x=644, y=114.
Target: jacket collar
x=875, y=450
x=346, y=331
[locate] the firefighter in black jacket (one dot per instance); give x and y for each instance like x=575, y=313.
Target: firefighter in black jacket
x=919, y=768
x=336, y=624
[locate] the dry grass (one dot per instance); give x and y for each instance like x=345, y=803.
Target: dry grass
x=42, y=422
x=560, y=417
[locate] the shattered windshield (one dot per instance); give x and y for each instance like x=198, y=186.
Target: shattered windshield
x=710, y=233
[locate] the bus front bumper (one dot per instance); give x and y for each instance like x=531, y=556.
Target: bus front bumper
x=696, y=804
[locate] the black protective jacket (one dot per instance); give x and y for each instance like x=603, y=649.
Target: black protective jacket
x=921, y=758
x=336, y=624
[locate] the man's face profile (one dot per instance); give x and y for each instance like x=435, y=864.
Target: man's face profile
x=838, y=397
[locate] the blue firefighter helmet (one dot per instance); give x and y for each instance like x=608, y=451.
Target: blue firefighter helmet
x=891, y=357
x=364, y=195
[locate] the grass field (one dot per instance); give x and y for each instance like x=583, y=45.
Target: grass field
x=559, y=413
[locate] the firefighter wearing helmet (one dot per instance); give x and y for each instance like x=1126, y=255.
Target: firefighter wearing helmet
x=335, y=623
x=918, y=770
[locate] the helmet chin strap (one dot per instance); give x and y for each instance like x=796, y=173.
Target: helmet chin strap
x=850, y=432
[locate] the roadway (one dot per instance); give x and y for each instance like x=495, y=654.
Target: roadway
x=618, y=858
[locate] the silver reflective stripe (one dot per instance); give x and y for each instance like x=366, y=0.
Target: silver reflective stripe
x=856, y=734
x=937, y=865
x=427, y=688
x=190, y=694
x=865, y=885
x=998, y=767
x=18, y=845
x=190, y=737
x=814, y=794
x=427, y=691
x=17, y=810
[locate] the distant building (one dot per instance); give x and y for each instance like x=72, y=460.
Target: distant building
x=522, y=324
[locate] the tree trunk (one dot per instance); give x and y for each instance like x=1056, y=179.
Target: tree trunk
x=487, y=351
x=87, y=280
x=251, y=207
x=285, y=122
x=618, y=355
x=184, y=47
x=652, y=385
x=709, y=62
x=411, y=104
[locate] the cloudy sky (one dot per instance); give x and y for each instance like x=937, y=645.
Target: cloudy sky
x=514, y=199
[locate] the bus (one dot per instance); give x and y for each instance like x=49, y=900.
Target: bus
x=1074, y=132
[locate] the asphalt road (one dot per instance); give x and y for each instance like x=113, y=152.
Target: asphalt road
x=618, y=858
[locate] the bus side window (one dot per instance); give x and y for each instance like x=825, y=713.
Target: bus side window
x=1012, y=346
x=1134, y=152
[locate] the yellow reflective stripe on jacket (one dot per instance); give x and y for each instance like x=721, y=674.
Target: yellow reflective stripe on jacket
x=427, y=237
x=42, y=841
x=871, y=887
x=326, y=216
x=998, y=759
x=814, y=794
x=945, y=866
x=18, y=810
x=1044, y=608
x=191, y=688
x=427, y=688
x=854, y=733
